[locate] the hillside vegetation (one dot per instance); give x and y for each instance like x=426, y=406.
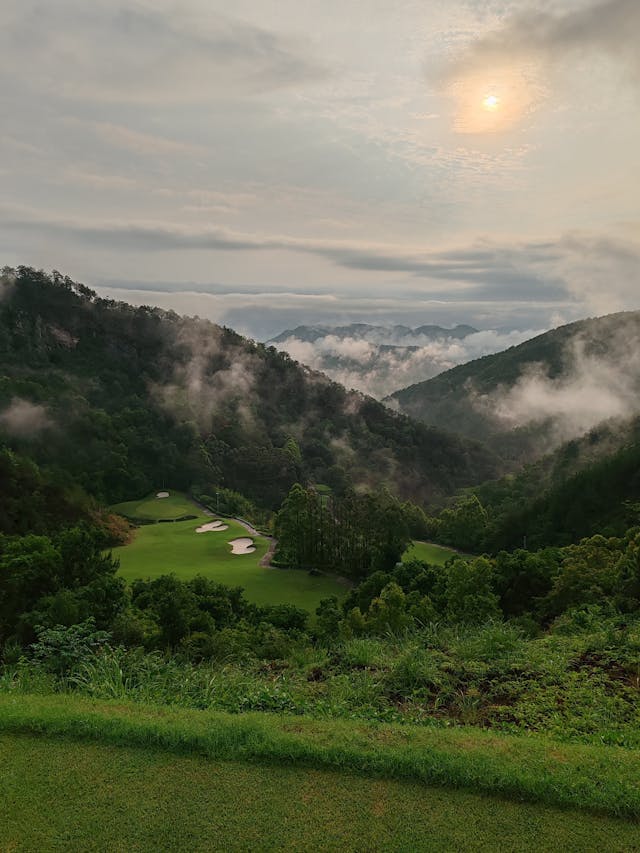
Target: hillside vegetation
x=589, y=485
x=513, y=674
x=122, y=399
x=565, y=368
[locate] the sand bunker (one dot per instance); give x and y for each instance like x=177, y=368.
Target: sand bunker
x=212, y=527
x=162, y=495
x=242, y=546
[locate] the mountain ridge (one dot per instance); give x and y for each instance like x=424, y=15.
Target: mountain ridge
x=493, y=398
x=124, y=398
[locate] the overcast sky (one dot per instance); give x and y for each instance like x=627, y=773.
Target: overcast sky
x=276, y=162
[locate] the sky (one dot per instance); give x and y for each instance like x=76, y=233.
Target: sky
x=267, y=164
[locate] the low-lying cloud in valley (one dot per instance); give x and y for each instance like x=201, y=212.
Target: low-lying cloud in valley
x=593, y=388
x=379, y=361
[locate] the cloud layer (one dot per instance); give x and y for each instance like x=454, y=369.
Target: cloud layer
x=379, y=368
x=140, y=52
x=311, y=157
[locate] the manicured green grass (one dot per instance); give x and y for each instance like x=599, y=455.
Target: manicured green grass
x=83, y=796
x=525, y=768
x=151, y=507
x=436, y=555
x=175, y=547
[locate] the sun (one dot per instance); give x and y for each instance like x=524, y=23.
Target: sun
x=491, y=102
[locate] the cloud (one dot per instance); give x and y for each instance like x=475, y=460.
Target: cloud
x=24, y=419
x=140, y=52
x=597, y=269
x=127, y=139
x=209, y=376
x=610, y=27
x=394, y=360
x=520, y=63
x=600, y=381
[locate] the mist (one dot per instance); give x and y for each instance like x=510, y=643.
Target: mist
x=594, y=387
x=211, y=375
x=387, y=360
x=24, y=419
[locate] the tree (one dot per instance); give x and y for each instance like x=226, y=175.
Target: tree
x=469, y=592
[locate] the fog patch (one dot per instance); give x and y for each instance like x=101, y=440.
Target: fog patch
x=380, y=364
x=593, y=388
x=210, y=375
x=8, y=280
x=22, y=418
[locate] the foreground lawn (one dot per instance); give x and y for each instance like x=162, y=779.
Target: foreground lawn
x=436, y=555
x=530, y=769
x=175, y=547
x=79, y=796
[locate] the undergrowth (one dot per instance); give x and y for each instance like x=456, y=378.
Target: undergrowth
x=582, y=686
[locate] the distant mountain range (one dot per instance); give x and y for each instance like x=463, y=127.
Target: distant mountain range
x=378, y=360
x=389, y=335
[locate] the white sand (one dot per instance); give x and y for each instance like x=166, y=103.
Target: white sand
x=212, y=527
x=162, y=495
x=242, y=546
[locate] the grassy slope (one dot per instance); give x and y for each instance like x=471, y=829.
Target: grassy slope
x=160, y=549
x=175, y=506
x=436, y=555
x=532, y=768
x=70, y=796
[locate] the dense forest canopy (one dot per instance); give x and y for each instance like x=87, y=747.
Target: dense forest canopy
x=124, y=399
x=589, y=485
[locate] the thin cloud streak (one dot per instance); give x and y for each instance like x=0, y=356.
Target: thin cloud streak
x=543, y=269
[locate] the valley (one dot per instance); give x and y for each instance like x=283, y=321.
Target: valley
x=320, y=426
x=172, y=546
x=307, y=583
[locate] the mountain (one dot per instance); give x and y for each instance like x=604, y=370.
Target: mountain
x=533, y=397
x=390, y=335
x=123, y=400
x=589, y=485
x=379, y=359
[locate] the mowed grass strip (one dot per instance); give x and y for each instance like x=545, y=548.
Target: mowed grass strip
x=152, y=507
x=533, y=769
x=428, y=552
x=175, y=548
x=69, y=796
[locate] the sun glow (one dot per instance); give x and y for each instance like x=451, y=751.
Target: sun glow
x=496, y=100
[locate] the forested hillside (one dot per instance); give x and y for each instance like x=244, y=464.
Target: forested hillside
x=122, y=400
x=589, y=485
x=535, y=396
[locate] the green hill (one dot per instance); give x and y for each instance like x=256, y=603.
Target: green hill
x=122, y=399
x=451, y=400
x=588, y=486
